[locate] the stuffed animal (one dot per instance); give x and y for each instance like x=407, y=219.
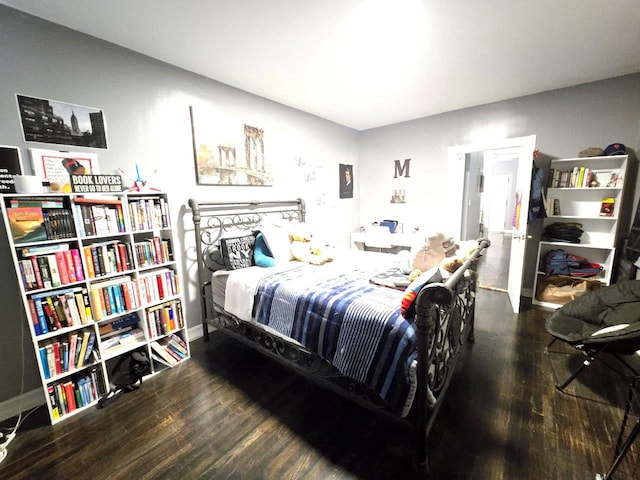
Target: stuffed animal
x=303, y=250
x=464, y=251
x=430, y=254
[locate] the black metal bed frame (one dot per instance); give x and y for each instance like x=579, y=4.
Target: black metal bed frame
x=444, y=319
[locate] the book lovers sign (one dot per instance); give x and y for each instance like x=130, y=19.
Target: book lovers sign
x=96, y=183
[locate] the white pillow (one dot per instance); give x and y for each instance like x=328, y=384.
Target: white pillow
x=278, y=242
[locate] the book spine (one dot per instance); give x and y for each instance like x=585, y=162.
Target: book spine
x=90, y=344
x=42, y=353
x=88, y=259
x=73, y=340
x=53, y=402
x=87, y=304
x=36, y=270
x=97, y=305
x=71, y=268
x=77, y=264
x=52, y=314
x=42, y=319
x=56, y=358
x=45, y=272
x=35, y=321
x=62, y=268
x=82, y=312
x=53, y=270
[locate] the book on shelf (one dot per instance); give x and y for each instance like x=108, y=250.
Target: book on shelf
x=57, y=309
x=607, y=207
x=51, y=270
x=86, y=335
x=167, y=358
x=66, y=396
x=26, y=224
x=127, y=337
x=100, y=216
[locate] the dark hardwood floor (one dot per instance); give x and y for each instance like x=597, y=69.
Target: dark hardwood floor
x=230, y=413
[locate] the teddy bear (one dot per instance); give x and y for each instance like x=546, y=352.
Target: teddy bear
x=303, y=250
x=464, y=251
x=430, y=254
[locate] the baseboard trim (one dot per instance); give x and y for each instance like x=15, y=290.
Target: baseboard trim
x=22, y=403
x=197, y=332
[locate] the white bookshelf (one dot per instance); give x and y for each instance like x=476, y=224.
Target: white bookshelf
x=106, y=281
x=581, y=202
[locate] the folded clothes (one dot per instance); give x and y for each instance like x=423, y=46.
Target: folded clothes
x=563, y=232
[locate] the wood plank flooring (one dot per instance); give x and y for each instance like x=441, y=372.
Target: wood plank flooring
x=230, y=413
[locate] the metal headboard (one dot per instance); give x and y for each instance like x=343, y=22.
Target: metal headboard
x=212, y=219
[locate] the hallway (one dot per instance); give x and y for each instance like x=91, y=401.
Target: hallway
x=493, y=267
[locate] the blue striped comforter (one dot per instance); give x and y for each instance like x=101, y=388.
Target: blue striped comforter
x=338, y=314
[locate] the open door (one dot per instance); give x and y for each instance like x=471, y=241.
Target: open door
x=524, y=147
x=520, y=235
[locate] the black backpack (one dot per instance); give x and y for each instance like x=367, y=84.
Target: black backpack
x=126, y=376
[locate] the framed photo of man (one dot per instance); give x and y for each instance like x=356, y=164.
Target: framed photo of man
x=346, y=180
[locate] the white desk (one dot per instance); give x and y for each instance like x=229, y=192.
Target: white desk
x=397, y=241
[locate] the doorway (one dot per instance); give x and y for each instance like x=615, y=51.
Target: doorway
x=518, y=153
x=497, y=203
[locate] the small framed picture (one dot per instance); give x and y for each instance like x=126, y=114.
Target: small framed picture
x=346, y=180
x=10, y=165
x=615, y=180
x=57, y=166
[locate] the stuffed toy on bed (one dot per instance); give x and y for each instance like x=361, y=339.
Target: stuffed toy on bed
x=464, y=251
x=435, y=273
x=303, y=250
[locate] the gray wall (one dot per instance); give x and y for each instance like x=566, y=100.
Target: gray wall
x=564, y=121
x=146, y=105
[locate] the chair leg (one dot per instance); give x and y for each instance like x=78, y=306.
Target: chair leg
x=591, y=356
x=622, y=448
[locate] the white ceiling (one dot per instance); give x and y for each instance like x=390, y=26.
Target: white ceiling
x=369, y=63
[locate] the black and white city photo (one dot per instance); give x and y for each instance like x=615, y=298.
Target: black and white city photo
x=50, y=121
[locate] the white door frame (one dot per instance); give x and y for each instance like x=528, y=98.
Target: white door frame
x=456, y=164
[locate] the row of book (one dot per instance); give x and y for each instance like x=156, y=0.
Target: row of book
x=50, y=266
x=163, y=319
x=108, y=257
x=577, y=177
x=34, y=224
x=169, y=350
x=158, y=285
x=100, y=216
x=114, y=296
x=73, y=306
x=65, y=397
x=154, y=251
x=583, y=177
x=66, y=354
x=58, y=309
x=148, y=213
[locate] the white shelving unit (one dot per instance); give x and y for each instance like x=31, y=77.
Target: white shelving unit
x=116, y=288
x=582, y=203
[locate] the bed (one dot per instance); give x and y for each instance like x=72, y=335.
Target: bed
x=334, y=322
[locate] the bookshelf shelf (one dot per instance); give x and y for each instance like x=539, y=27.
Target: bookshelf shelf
x=92, y=270
x=576, y=193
